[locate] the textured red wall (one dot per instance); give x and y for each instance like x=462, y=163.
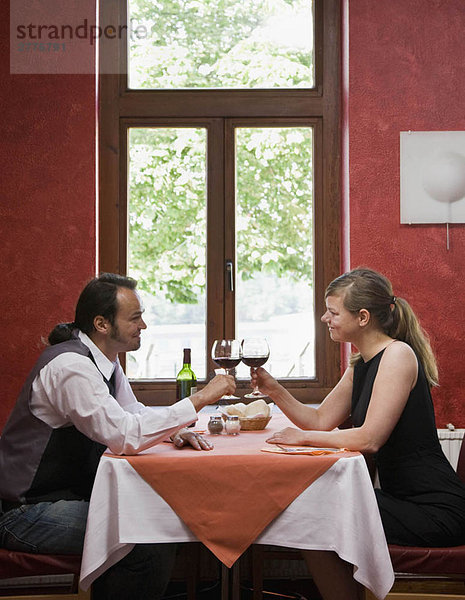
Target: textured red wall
x=47, y=208
x=407, y=72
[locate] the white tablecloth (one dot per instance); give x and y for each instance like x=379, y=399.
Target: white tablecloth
x=337, y=512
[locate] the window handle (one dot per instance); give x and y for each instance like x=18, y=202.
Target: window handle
x=230, y=275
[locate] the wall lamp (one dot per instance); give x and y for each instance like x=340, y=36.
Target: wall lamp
x=432, y=177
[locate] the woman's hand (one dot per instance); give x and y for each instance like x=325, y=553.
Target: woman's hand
x=185, y=437
x=290, y=435
x=266, y=383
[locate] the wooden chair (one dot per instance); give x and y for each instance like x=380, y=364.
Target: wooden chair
x=23, y=564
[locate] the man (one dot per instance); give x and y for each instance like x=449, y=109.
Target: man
x=76, y=402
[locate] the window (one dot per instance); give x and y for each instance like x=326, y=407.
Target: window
x=221, y=44
x=219, y=181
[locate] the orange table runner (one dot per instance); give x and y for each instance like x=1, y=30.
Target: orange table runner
x=228, y=495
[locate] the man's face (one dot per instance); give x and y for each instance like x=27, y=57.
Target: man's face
x=125, y=333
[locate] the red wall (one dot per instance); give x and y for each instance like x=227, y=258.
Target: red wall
x=407, y=72
x=47, y=208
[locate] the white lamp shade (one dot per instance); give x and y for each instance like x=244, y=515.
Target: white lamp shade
x=432, y=177
x=444, y=177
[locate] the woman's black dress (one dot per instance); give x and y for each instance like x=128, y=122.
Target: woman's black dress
x=422, y=499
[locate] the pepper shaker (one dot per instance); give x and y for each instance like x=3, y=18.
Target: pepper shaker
x=215, y=425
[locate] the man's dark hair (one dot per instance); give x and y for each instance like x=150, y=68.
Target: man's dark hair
x=97, y=298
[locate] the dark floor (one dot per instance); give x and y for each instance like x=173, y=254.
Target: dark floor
x=302, y=589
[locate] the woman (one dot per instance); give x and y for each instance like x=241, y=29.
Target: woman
x=386, y=392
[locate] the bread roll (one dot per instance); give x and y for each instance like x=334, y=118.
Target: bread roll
x=236, y=409
x=257, y=408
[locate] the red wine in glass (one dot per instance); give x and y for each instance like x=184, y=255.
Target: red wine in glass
x=227, y=363
x=227, y=355
x=255, y=353
x=254, y=361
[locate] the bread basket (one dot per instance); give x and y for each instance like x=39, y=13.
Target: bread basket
x=254, y=423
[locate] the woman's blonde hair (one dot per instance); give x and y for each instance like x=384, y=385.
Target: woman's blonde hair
x=365, y=288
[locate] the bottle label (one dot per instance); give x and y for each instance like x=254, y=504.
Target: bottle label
x=184, y=389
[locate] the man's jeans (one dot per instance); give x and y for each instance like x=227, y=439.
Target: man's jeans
x=59, y=527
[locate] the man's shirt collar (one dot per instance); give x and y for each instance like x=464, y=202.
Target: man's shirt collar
x=104, y=364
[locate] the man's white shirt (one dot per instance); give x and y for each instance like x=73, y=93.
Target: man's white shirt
x=70, y=389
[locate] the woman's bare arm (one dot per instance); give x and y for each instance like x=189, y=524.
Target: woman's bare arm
x=332, y=411
x=397, y=375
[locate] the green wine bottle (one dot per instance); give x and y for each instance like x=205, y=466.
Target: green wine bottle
x=186, y=381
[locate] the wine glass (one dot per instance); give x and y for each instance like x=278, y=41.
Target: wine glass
x=255, y=353
x=227, y=355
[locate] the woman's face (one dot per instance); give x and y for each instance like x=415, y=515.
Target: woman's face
x=343, y=325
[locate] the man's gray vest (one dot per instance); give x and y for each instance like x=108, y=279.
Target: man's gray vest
x=39, y=463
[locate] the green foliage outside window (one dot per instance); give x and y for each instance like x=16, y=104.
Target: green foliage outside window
x=221, y=43
x=217, y=44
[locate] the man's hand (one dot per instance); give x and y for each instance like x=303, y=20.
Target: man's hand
x=212, y=392
x=185, y=437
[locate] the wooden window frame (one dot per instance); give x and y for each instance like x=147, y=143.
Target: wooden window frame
x=120, y=108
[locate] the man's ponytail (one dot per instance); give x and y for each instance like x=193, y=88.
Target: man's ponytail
x=61, y=333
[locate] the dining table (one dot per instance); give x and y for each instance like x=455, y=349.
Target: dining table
x=244, y=491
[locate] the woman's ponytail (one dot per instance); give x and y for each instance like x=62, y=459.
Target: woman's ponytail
x=407, y=328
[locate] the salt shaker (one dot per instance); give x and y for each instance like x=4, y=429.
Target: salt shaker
x=215, y=425
x=233, y=425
